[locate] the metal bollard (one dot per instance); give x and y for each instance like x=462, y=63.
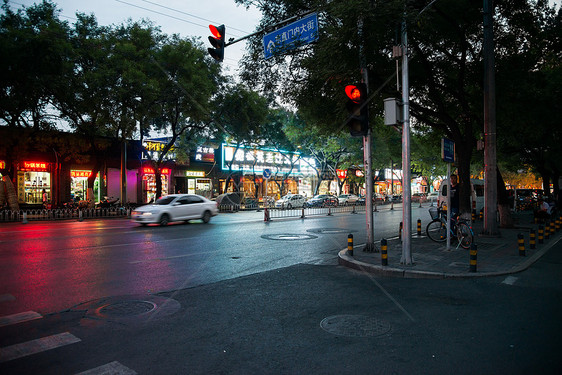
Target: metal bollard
x=302, y=214
x=329, y=211
x=532, y=240
x=24, y=221
x=350, y=244
x=400, y=230
x=80, y=217
x=541, y=234
x=419, y=227
x=521, y=244
x=384, y=252
x=473, y=257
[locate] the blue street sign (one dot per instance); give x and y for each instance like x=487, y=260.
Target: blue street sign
x=447, y=150
x=289, y=37
x=266, y=173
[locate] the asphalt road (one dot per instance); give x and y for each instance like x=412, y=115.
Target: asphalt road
x=52, y=266
x=301, y=314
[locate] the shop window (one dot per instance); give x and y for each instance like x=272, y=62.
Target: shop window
x=31, y=185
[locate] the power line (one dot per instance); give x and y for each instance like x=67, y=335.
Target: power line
x=163, y=14
x=192, y=15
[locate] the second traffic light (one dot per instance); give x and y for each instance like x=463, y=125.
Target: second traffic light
x=357, y=106
x=217, y=41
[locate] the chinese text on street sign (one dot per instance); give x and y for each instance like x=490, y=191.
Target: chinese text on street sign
x=289, y=37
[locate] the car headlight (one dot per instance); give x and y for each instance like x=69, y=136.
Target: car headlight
x=147, y=214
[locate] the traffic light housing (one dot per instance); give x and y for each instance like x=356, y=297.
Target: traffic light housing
x=217, y=41
x=358, y=120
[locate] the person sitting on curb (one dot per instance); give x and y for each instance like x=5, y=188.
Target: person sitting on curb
x=544, y=210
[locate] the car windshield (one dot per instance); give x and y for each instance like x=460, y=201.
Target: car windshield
x=164, y=201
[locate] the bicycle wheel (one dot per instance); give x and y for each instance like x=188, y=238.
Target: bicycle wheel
x=464, y=235
x=437, y=230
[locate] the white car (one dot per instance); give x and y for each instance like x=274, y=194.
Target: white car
x=345, y=199
x=290, y=201
x=175, y=207
x=433, y=196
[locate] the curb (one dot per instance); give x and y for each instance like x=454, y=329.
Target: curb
x=386, y=271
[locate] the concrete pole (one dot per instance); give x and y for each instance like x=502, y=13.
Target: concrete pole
x=367, y=161
x=406, y=257
x=490, y=165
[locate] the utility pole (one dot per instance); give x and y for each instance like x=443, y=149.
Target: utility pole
x=406, y=257
x=490, y=169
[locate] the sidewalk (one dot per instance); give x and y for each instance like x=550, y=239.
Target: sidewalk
x=496, y=255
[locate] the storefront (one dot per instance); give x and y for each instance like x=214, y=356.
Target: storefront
x=286, y=170
x=149, y=183
x=199, y=183
x=79, y=185
x=33, y=179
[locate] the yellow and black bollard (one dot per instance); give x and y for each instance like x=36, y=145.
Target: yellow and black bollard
x=400, y=230
x=541, y=234
x=419, y=227
x=481, y=216
x=552, y=228
x=521, y=244
x=350, y=244
x=473, y=216
x=547, y=230
x=384, y=252
x=473, y=257
x=557, y=223
x=532, y=240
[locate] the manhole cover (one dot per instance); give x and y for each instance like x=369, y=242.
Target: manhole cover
x=288, y=237
x=129, y=309
x=126, y=308
x=330, y=230
x=355, y=326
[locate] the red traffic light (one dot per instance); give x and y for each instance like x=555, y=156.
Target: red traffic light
x=216, y=32
x=353, y=92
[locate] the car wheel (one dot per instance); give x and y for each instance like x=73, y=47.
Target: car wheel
x=164, y=219
x=289, y=206
x=206, y=217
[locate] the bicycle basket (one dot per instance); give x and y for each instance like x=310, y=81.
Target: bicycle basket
x=434, y=212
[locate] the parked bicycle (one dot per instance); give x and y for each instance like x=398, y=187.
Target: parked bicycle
x=460, y=228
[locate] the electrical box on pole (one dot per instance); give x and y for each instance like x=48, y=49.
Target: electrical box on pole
x=392, y=112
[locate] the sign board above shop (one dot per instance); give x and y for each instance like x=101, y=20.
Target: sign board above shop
x=257, y=160
x=291, y=36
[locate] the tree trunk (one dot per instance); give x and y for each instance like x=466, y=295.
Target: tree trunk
x=11, y=194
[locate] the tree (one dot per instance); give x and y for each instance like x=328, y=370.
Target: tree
x=446, y=70
x=240, y=115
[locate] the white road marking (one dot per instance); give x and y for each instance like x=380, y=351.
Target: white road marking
x=112, y=368
x=19, y=318
x=24, y=349
x=510, y=280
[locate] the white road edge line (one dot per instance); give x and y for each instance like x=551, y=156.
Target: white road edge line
x=510, y=280
x=24, y=349
x=113, y=368
x=19, y=318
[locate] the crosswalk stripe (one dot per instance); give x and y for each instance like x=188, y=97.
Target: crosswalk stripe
x=18, y=318
x=113, y=368
x=24, y=349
